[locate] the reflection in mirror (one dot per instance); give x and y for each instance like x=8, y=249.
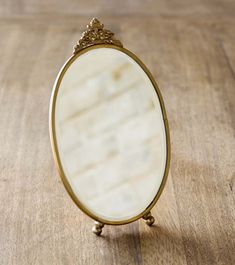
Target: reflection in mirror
x=110, y=134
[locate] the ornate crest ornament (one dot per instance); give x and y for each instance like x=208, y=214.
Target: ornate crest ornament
x=96, y=34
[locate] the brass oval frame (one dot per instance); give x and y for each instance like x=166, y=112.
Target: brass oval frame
x=54, y=141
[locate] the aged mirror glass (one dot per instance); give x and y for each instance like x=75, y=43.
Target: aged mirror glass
x=109, y=133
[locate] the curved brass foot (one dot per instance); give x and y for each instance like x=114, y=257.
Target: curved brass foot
x=149, y=219
x=97, y=228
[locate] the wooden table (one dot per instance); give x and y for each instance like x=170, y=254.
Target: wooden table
x=190, y=48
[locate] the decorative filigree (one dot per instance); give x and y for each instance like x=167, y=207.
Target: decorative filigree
x=96, y=34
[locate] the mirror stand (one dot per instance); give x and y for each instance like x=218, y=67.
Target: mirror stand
x=149, y=219
x=98, y=226
x=107, y=118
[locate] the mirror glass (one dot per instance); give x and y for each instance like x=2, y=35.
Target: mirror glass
x=110, y=134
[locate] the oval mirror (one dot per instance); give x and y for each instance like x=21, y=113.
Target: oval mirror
x=109, y=133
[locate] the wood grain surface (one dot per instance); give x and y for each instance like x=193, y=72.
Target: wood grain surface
x=190, y=48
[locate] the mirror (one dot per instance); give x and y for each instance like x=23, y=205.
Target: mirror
x=109, y=134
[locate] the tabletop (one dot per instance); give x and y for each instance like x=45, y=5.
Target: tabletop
x=190, y=49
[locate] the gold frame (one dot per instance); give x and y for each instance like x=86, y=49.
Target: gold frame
x=56, y=155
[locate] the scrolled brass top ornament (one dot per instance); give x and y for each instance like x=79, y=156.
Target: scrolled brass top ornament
x=96, y=34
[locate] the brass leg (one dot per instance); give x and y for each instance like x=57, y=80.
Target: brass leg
x=97, y=228
x=149, y=219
